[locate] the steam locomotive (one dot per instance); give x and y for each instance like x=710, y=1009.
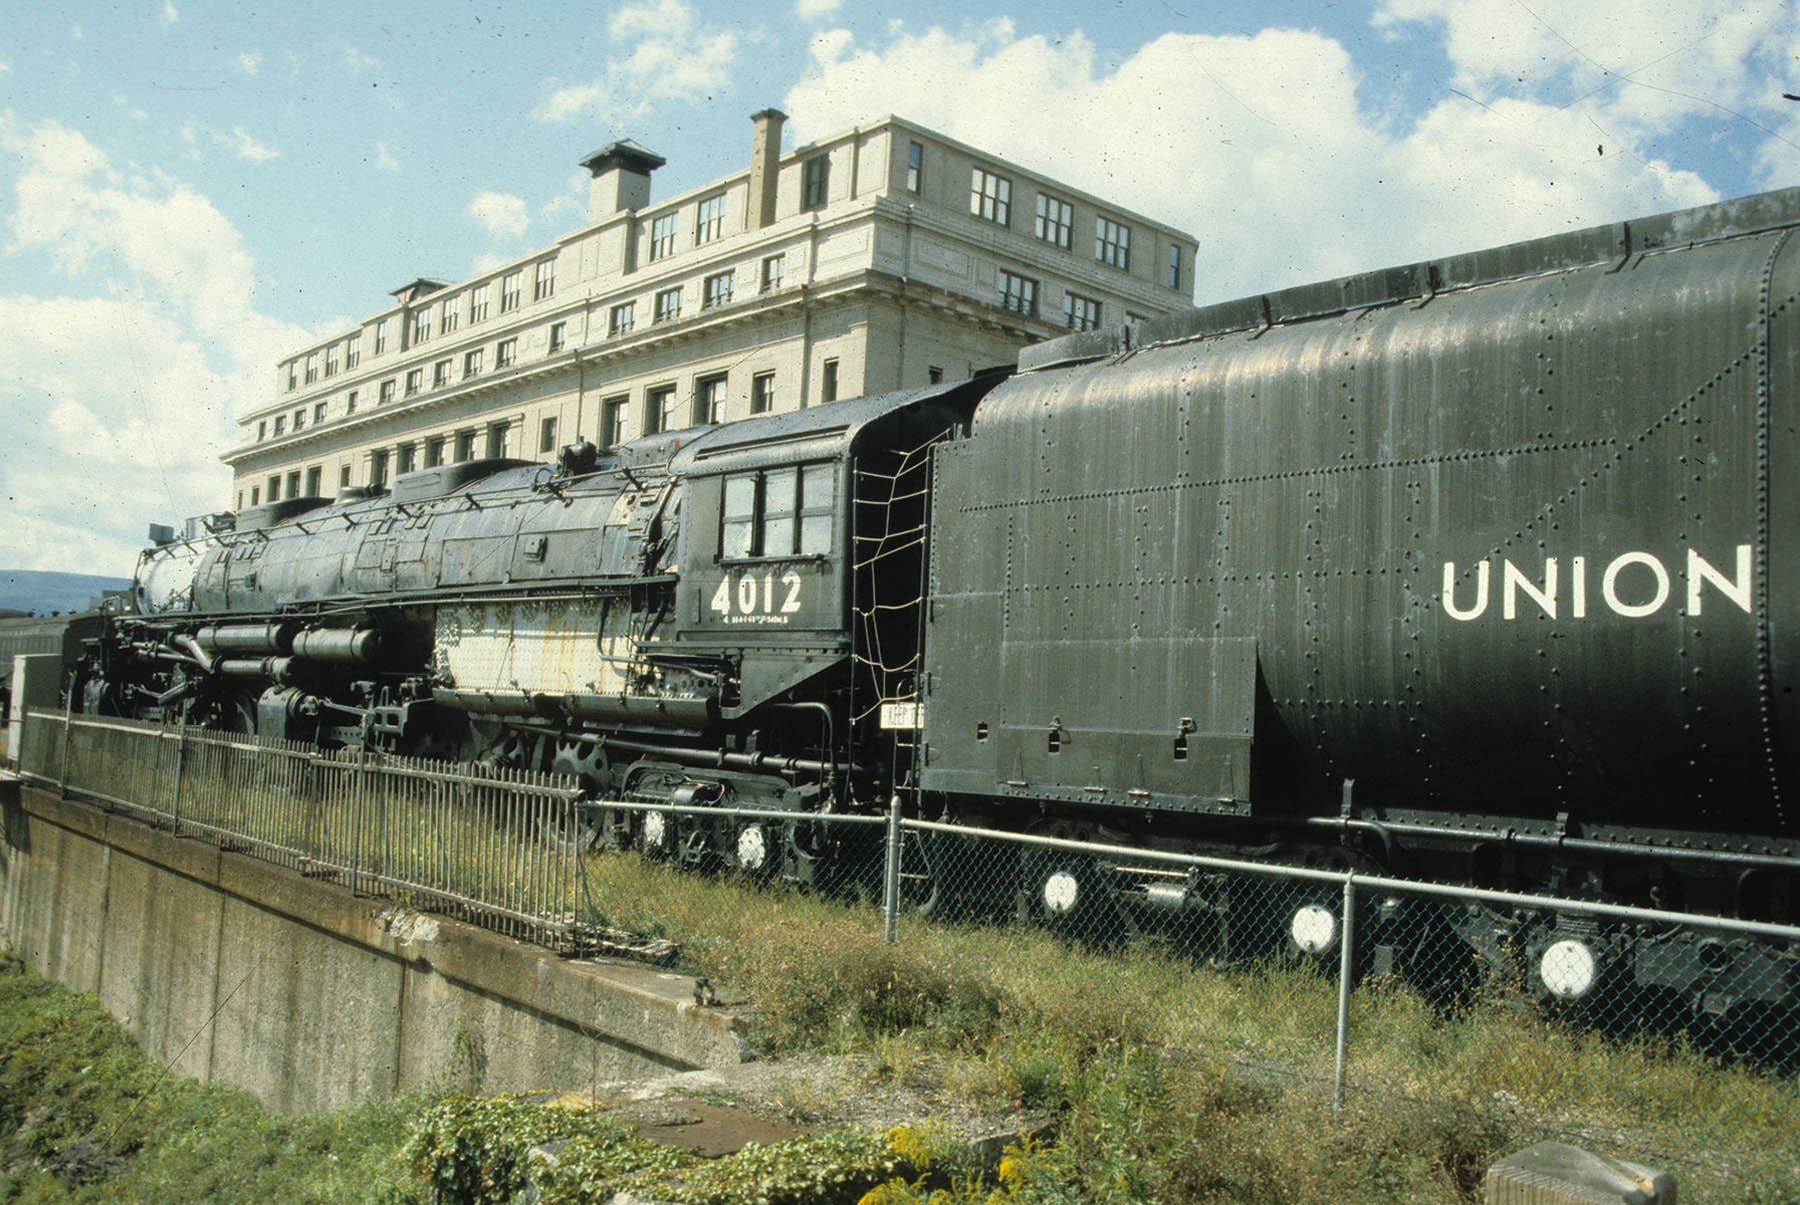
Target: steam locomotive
x=1476, y=570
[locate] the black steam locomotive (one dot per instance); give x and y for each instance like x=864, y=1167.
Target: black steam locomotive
x=1474, y=570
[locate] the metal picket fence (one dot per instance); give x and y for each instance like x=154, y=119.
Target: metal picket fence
x=497, y=846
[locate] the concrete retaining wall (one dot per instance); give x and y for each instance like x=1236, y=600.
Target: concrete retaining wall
x=228, y=968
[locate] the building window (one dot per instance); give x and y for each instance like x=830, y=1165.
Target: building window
x=547, y=435
x=255, y=494
x=318, y=413
x=915, y=166
x=772, y=267
x=275, y=488
x=668, y=305
x=293, y=377
x=350, y=402
x=1112, y=243
x=312, y=367
x=559, y=334
x=440, y=374
x=990, y=197
x=762, y=393
x=415, y=381
x=299, y=419
x=709, y=219
x=281, y=424
x=1055, y=221
x=779, y=512
x=478, y=304
x=465, y=446
x=1080, y=313
x=815, y=182
x=715, y=290
x=505, y=352
x=447, y=317
x=1019, y=293
x=344, y=477
x=472, y=362
x=543, y=284
x=828, y=382
x=381, y=336
x=499, y=440
x=421, y=326
x=293, y=484
x=387, y=392
x=378, y=466
x=509, y=292
x=934, y=374
x=352, y=351
x=403, y=460
x=1174, y=265
x=434, y=452
x=659, y=410
x=619, y=321
x=331, y=360
x=709, y=400
x=612, y=422
x=662, y=237
x=262, y=430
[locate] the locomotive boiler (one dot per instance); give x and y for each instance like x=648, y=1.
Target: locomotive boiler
x=1477, y=570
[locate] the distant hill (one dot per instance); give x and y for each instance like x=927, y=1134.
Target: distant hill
x=29, y=590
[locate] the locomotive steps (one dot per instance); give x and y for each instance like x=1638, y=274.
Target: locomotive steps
x=227, y=968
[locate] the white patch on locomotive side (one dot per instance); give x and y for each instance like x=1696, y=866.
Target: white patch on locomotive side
x=1633, y=585
x=540, y=648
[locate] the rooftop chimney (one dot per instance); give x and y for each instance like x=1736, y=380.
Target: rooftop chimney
x=765, y=163
x=621, y=178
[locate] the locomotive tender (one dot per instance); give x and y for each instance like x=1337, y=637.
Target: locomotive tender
x=1479, y=570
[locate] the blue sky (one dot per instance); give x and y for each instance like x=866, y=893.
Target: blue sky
x=188, y=190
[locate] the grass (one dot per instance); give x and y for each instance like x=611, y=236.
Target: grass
x=1171, y=1081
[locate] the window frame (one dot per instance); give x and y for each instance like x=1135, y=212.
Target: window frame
x=915, y=167
x=621, y=318
x=1112, y=242
x=1019, y=293
x=543, y=282
x=511, y=287
x=659, y=409
x=815, y=183
x=506, y=353
x=709, y=398
x=709, y=219
x=762, y=392
x=771, y=272
x=1055, y=221
x=1081, y=312
x=663, y=230
x=716, y=290
x=990, y=196
x=667, y=305
x=804, y=540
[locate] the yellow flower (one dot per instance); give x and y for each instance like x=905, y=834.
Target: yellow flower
x=1008, y=1171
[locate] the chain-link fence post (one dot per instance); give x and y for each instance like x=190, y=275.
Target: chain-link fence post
x=62, y=767
x=1346, y=968
x=175, y=787
x=890, y=882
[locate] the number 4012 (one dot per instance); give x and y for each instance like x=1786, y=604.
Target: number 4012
x=755, y=594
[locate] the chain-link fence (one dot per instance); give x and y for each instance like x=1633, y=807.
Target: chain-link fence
x=1663, y=1030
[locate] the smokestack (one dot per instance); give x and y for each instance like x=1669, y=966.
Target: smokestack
x=621, y=178
x=765, y=162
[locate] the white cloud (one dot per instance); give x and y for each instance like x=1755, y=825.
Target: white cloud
x=816, y=10
x=669, y=55
x=248, y=148
x=359, y=61
x=500, y=214
x=249, y=62
x=384, y=159
x=136, y=373
x=169, y=15
x=1256, y=144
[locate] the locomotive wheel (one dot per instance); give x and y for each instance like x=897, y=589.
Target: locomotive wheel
x=756, y=850
x=1070, y=893
x=655, y=836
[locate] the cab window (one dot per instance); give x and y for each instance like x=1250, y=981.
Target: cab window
x=778, y=513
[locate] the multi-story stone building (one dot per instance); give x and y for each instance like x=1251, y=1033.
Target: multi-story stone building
x=884, y=257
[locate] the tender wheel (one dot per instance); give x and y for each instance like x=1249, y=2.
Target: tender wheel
x=757, y=850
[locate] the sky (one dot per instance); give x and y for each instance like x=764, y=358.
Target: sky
x=189, y=191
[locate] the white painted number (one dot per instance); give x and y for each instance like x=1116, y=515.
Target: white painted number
x=756, y=597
